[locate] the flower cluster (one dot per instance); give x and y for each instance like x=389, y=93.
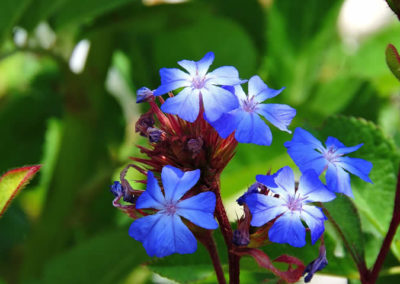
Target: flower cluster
x=193, y=135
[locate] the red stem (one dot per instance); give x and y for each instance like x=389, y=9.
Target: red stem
x=226, y=231
x=373, y=276
x=209, y=243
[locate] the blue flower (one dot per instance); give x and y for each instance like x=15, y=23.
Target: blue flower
x=309, y=153
x=245, y=120
x=198, y=84
x=290, y=207
x=164, y=233
x=143, y=94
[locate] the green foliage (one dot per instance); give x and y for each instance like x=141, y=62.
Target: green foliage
x=393, y=60
x=63, y=228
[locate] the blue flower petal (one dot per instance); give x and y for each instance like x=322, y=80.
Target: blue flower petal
x=176, y=182
x=311, y=187
x=172, y=79
x=152, y=197
x=252, y=129
x=217, y=101
x=285, y=181
x=279, y=115
x=358, y=167
x=267, y=180
x=301, y=136
x=186, y=105
x=204, y=64
x=227, y=123
x=189, y=65
x=288, y=229
x=260, y=90
x=199, y=210
x=264, y=208
x=346, y=150
x=338, y=180
x=333, y=142
x=314, y=219
x=305, y=157
x=163, y=235
x=225, y=75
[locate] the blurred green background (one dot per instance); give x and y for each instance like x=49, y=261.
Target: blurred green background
x=69, y=70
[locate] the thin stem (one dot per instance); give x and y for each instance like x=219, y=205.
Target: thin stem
x=394, y=224
x=208, y=242
x=227, y=233
x=362, y=267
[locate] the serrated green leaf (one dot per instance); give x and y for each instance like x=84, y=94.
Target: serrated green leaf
x=374, y=201
x=393, y=60
x=106, y=258
x=12, y=182
x=10, y=11
x=344, y=215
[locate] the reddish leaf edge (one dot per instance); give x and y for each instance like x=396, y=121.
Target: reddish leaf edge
x=31, y=171
x=292, y=275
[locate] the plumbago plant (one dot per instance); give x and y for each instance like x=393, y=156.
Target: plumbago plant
x=193, y=136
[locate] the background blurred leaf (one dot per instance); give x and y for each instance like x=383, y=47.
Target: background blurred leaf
x=10, y=12
x=12, y=182
x=105, y=258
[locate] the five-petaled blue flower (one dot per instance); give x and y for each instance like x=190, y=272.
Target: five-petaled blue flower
x=198, y=85
x=164, y=233
x=245, y=120
x=309, y=153
x=290, y=207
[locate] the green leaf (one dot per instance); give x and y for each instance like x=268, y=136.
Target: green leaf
x=393, y=60
x=344, y=217
x=39, y=10
x=374, y=201
x=77, y=11
x=12, y=182
x=106, y=258
x=10, y=12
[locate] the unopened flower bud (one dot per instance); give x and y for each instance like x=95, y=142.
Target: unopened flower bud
x=143, y=94
x=116, y=189
x=316, y=265
x=195, y=145
x=154, y=134
x=144, y=122
x=119, y=191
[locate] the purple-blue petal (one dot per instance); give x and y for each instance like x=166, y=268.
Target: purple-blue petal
x=314, y=219
x=204, y=64
x=279, y=115
x=288, y=229
x=163, y=235
x=358, y=167
x=152, y=197
x=189, y=65
x=346, y=150
x=311, y=187
x=338, y=180
x=264, y=208
x=186, y=105
x=267, y=180
x=306, y=157
x=176, y=182
x=217, y=101
x=260, y=90
x=227, y=123
x=172, y=79
x=252, y=129
x=301, y=136
x=285, y=181
x=225, y=75
x=199, y=210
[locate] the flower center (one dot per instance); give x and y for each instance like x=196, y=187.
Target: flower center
x=198, y=82
x=170, y=208
x=295, y=203
x=249, y=105
x=331, y=155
